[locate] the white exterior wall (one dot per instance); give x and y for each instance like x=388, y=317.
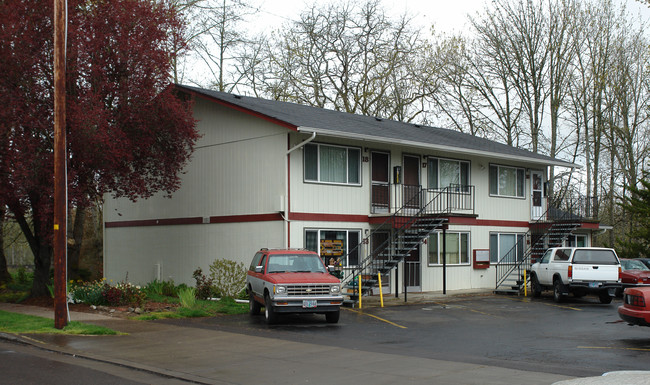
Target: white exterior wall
x=326, y=198
x=176, y=251
x=323, y=198
x=238, y=168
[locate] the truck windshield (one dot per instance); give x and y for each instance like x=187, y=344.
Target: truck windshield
x=295, y=263
x=598, y=257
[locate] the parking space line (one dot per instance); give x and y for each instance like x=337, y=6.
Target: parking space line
x=610, y=348
x=379, y=318
x=444, y=305
x=548, y=304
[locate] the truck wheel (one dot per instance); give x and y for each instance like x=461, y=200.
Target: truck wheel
x=269, y=313
x=333, y=316
x=604, y=297
x=535, y=286
x=253, y=306
x=557, y=291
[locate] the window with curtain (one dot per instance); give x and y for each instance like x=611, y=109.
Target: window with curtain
x=444, y=172
x=507, y=181
x=457, y=248
x=332, y=164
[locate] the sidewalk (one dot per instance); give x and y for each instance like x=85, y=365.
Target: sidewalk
x=217, y=357
x=196, y=355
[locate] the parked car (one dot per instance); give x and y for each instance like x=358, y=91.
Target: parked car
x=292, y=281
x=577, y=270
x=634, y=273
x=646, y=261
x=636, y=306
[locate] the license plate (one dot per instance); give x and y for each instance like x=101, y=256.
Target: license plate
x=594, y=284
x=309, y=303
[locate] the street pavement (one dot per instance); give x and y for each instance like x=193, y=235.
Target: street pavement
x=196, y=355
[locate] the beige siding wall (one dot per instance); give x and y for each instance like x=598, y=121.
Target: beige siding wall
x=237, y=168
x=240, y=168
x=176, y=251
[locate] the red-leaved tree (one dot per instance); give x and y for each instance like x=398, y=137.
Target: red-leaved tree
x=128, y=133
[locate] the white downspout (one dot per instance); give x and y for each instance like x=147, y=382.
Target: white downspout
x=286, y=193
x=299, y=145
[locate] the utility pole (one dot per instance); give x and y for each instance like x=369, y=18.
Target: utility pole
x=60, y=178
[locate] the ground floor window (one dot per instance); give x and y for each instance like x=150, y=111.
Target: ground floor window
x=576, y=241
x=506, y=247
x=334, y=244
x=457, y=248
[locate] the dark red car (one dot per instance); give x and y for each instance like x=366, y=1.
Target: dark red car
x=636, y=306
x=634, y=274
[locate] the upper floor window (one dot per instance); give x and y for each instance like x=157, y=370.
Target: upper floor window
x=332, y=164
x=445, y=172
x=507, y=181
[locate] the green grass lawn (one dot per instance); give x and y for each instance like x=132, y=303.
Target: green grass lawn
x=20, y=323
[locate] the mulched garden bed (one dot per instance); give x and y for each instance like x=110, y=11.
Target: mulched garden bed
x=115, y=311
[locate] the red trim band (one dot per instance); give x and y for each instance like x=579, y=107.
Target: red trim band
x=196, y=220
x=329, y=217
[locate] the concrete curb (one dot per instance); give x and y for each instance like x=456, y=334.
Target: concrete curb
x=24, y=340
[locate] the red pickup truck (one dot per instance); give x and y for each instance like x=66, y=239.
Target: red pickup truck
x=292, y=281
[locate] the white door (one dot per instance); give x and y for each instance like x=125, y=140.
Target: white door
x=537, y=201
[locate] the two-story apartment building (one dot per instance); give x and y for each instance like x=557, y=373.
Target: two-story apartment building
x=417, y=204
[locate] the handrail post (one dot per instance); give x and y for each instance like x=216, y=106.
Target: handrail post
x=381, y=293
x=360, y=300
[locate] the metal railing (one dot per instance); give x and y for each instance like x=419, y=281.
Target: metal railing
x=519, y=258
x=415, y=203
x=395, y=198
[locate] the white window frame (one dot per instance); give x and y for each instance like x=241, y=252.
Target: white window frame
x=436, y=184
x=438, y=251
x=318, y=164
x=500, y=254
x=347, y=243
x=572, y=240
x=520, y=181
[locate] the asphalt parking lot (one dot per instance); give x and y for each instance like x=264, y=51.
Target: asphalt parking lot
x=579, y=337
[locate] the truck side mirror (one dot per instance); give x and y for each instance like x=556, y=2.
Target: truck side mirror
x=330, y=268
x=258, y=269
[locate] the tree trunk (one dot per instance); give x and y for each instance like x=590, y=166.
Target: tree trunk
x=5, y=277
x=42, y=265
x=41, y=250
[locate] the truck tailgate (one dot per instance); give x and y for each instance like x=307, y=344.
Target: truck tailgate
x=586, y=272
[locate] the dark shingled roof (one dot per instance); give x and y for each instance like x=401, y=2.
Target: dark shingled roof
x=341, y=124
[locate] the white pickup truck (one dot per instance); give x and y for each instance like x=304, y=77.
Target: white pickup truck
x=577, y=270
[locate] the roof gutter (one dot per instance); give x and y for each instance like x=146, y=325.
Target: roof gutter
x=301, y=144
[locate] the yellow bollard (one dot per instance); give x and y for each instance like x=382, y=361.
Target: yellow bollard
x=525, y=285
x=381, y=294
x=359, y=291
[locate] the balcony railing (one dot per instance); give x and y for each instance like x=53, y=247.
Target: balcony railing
x=390, y=198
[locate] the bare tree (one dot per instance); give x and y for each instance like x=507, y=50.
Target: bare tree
x=349, y=57
x=561, y=54
x=215, y=38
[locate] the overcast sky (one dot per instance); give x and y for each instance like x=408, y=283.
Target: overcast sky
x=446, y=15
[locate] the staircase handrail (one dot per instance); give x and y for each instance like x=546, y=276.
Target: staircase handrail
x=509, y=262
x=368, y=259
